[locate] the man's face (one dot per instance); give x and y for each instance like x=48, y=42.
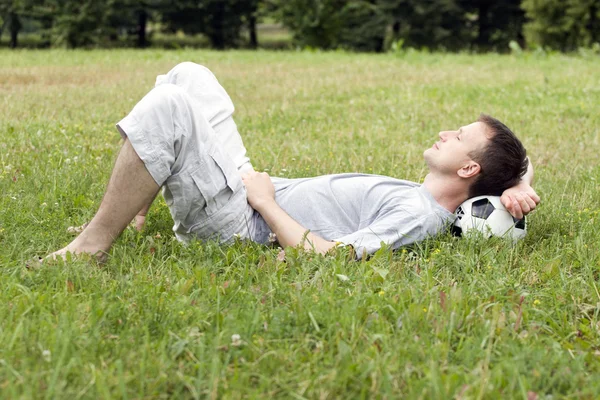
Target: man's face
x=451, y=153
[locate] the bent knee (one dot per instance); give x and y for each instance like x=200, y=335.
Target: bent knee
x=188, y=69
x=164, y=102
x=164, y=95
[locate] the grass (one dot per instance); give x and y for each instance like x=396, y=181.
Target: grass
x=449, y=318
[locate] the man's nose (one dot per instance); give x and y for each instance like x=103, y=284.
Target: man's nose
x=445, y=135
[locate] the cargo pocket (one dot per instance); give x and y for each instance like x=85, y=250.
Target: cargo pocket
x=183, y=198
x=217, y=179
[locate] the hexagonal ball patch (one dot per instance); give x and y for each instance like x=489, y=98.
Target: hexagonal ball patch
x=482, y=209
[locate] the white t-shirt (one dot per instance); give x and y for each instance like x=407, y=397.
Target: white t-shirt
x=359, y=210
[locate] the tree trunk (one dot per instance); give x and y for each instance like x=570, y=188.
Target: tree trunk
x=594, y=24
x=483, y=37
x=380, y=44
x=15, y=27
x=252, y=29
x=396, y=29
x=14, y=39
x=218, y=34
x=142, y=23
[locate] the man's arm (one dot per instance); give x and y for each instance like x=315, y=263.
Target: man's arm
x=261, y=196
x=521, y=199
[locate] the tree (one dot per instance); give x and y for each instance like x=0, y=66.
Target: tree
x=496, y=23
x=11, y=12
x=438, y=24
x=219, y=20
x=364, y=26
x=14, y=26
x=133, y=17
x=78, y=23
x=313, y=23
x=562, y=24
x=251, y=16
x=455, y=24
x=593, y=25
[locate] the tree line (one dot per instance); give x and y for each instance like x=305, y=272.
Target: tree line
x=363, y=25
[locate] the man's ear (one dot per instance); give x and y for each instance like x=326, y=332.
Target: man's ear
x=469, y=170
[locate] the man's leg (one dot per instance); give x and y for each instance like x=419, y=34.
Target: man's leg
x=213, y=101
x=169, y=143
x=215, y=104
x=130, y=188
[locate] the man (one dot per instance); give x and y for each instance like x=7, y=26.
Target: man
x=181, y=136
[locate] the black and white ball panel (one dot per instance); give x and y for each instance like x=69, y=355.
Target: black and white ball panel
x=487, y=215
x=482, y=208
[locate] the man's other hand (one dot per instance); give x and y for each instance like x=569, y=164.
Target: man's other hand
x=259, y=189
x=520, y=200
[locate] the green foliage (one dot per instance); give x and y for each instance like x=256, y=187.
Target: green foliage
x=11, y=14
x=495, y=22
x=364, y=26
x=437, y=24
x=220, y=20
x=314, y=23
x=329, y=24
x=78, y=23
x=368, y=25
x=454, y=24
x=133, y=17
x=562, y=24
x=14, y=6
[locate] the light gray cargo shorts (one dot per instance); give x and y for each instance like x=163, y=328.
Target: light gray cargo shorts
x=184, y=133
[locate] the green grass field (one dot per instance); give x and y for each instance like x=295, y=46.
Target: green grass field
x=450, y=318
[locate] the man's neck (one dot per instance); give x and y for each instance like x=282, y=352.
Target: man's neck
x=448, y=192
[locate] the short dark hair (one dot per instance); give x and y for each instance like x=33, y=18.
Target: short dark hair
x=503, y=161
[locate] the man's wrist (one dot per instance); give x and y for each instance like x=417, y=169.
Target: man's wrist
x=265, y=205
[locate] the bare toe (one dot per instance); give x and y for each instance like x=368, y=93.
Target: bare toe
x=68, y=254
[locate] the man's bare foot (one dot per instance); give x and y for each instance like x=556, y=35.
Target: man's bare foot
x=83, y=246
x=77, y=229
x=66, y=254
x=89, y=243
x=94, y=252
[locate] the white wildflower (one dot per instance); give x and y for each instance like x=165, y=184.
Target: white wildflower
x=236, y=340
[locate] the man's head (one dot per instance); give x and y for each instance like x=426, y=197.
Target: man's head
x=486, y=154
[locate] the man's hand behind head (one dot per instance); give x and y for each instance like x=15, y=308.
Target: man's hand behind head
x=520, y=200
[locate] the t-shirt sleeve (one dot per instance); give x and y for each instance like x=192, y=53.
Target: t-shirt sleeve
x=394, y=229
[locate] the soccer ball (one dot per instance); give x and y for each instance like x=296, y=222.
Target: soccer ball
x=487, y=215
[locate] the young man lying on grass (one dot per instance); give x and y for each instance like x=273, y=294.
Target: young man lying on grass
x=181, y=136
